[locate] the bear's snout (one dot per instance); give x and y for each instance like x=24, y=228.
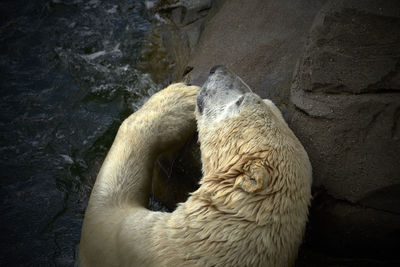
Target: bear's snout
x=215, y=68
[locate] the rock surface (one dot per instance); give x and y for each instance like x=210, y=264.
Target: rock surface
x=172, y=38
x=259, y=40
x=345, y=108
x=333, y=67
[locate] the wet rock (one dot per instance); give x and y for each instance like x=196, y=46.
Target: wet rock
x=186, y=12
x=173, y=37
x=164, y=54
x=345, y=108
x=352, y=141
x=260, y=41
x=353, y=48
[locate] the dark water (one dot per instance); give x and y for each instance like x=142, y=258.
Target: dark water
x=68, y=79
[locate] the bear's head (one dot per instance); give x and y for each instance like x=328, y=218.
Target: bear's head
x=244, y=139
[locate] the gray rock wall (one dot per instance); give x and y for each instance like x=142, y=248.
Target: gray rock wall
x=345, y=108
x=259, y=40
x=346, y=101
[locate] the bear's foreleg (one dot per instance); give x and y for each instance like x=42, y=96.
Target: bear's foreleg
x=166, y=120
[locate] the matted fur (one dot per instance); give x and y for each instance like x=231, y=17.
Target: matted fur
x=250, y=209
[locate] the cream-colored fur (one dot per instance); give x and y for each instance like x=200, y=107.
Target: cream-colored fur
x=251, y=207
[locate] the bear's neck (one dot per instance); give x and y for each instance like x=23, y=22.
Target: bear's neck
x=212, y=224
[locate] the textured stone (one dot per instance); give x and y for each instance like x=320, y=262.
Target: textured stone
x=352, y=141
x=164, y=54
x=354, y=47
x=187, y=15
x=345, y=108
x=259, y=40
x=352, y=135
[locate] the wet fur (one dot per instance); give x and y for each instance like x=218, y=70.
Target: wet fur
x=251, y=207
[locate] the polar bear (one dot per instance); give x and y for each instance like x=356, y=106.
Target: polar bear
x=252, y=204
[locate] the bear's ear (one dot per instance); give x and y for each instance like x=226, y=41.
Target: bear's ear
x=253, y=180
